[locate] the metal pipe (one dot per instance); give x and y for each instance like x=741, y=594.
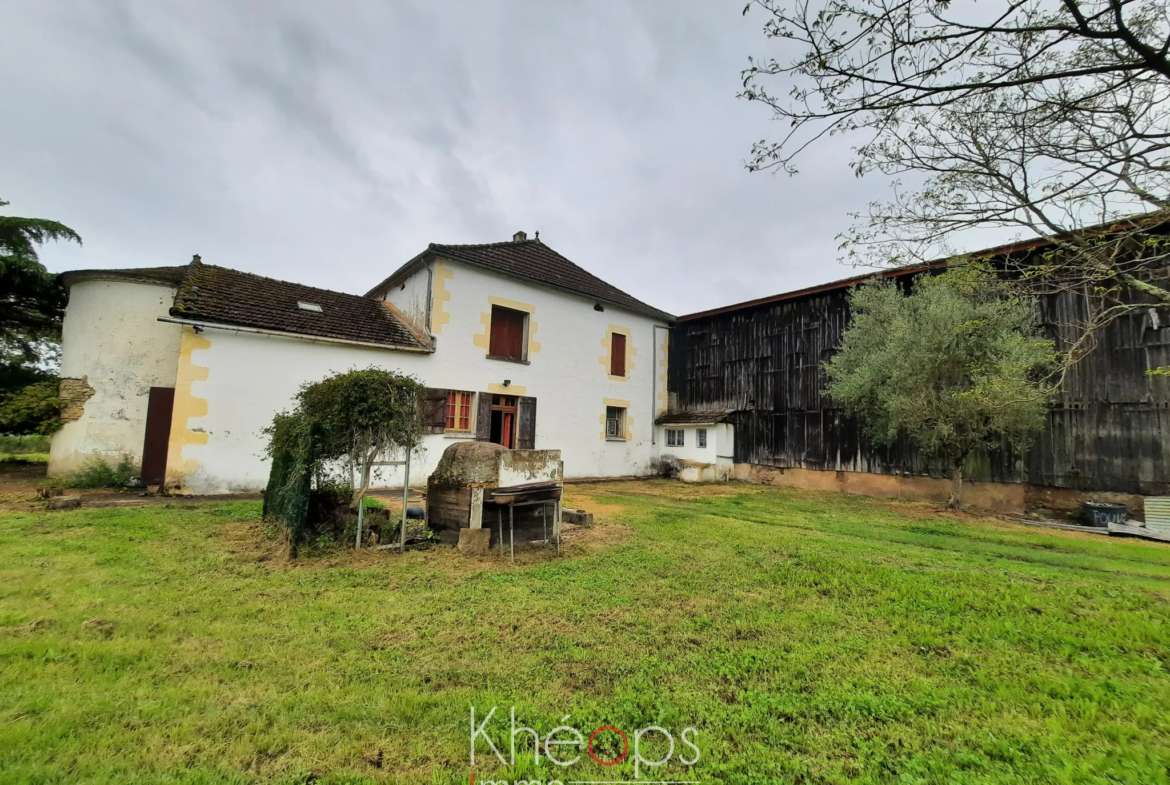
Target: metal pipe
x=512, y=530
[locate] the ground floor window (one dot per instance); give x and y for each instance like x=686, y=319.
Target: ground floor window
x=458, y=410
x=700, y=437
x=615, y=422
x=674, y=437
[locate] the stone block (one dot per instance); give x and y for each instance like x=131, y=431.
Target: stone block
x=474, y=542
x=63, y=503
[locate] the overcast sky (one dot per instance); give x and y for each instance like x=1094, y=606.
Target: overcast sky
x=328, y=142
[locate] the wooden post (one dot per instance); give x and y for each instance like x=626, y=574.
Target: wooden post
x=361, y=507
x=405, y=498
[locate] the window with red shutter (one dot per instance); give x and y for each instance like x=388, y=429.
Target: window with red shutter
x=617, y=355
x=508, y=334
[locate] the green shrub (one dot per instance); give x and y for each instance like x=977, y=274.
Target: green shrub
x=23, y=445
x=97, y=473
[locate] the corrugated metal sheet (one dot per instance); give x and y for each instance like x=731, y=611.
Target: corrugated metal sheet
x=1158, y=514
x=1110, y=430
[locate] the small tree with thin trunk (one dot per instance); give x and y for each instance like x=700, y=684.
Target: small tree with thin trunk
x=354, y=416
x=959, y=363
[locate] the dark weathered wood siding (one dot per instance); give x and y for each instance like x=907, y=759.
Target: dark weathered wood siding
x=1110, y=430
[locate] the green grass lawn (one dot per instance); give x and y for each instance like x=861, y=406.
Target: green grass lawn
x=24, y=457
x=808, y=637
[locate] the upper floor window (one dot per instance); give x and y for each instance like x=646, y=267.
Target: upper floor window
x=458, y=410
x=509, y=333
x=617, y=355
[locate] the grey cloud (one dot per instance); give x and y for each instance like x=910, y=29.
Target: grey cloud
x=328, y=143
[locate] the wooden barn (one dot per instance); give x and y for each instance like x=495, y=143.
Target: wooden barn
x=762, y=360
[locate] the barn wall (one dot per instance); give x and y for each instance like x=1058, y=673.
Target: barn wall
x=1110, y=430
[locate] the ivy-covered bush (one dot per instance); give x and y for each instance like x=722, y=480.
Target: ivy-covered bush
x=350, y=419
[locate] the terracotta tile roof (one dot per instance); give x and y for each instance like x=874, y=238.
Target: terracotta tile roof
x=1154, y=221
x=533, y=261
x=219, y=295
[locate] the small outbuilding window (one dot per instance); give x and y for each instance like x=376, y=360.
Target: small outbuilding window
x=700, y=437
x=306, y=306
x=674, y=437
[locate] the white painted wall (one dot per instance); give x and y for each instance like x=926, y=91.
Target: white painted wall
x=251, y=377
x=719, y=452
x=410, y=298
x=113, y=339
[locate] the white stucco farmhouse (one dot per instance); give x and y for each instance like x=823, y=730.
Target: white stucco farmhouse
x=181, y=367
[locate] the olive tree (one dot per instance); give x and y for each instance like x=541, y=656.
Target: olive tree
x=958, y=363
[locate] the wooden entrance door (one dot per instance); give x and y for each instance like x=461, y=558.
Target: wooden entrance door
x=158, y=435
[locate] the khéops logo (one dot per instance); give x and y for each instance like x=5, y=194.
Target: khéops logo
x=561, y=742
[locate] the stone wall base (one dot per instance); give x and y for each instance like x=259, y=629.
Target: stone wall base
x=1003, y=497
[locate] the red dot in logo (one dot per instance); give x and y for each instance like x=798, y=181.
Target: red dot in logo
x=625, y=746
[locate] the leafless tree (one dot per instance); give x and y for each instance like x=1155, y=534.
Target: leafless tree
x=1049, y=117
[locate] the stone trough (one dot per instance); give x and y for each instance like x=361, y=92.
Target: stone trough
x=513, y=494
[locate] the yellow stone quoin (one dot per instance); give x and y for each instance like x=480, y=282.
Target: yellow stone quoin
x=495, y=388
x=605, y=404
x=187, y=405
x=484, y=340
x=607, y=344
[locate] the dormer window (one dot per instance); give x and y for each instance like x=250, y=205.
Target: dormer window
x=304, y=306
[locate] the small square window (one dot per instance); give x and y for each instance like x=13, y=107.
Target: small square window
x=701, y=437
x=615, y=422
x=674, y=437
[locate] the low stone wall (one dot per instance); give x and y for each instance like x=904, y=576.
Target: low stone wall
x=1003, y=497
x=996, y=496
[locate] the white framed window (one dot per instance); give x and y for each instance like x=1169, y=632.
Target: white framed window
x=615, y=422
x=674, y=437
x=701, y=437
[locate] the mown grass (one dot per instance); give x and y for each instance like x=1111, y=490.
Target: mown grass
x=24, y=457
x=809, y=637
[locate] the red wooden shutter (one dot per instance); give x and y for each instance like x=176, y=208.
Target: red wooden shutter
x=617, y=355
x=507, y=338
